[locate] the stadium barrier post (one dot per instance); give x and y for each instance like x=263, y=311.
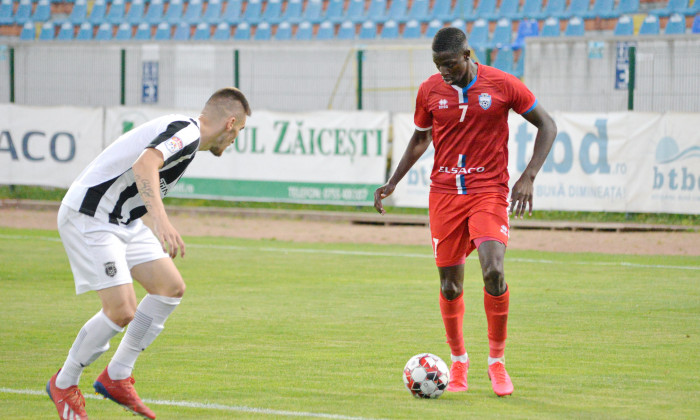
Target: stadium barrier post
x=236, y=81
x=122, y=100
x=360, y=57
x=12, y=75
x=632, y=74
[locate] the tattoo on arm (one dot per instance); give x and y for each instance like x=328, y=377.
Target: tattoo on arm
x=144, y=187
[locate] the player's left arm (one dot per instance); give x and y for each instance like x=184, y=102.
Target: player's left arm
x=521, y=195
x=147, y=180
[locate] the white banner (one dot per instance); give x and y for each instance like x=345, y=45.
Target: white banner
x=47, y=146
x=315, y=157
x=617, y=162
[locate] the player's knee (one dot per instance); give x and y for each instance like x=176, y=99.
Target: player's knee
x=450, y=290
x=175, y=290
x=494, y=281
x=121, y=316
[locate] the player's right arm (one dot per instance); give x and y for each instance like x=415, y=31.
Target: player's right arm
x=148, y=183
x=416, y=147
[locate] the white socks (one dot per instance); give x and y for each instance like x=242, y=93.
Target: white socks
x=463, y=358
x=91, y=342
x=147, y=324
x=493, y=360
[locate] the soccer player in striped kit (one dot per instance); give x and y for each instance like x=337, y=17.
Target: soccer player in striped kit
x=108, y=245
x=464, y=110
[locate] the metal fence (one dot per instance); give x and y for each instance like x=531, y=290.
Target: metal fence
x=577, y=74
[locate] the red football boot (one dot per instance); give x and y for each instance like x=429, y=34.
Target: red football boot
x=458, y=375
x=123, y=393
x=500, y=381
x=69, y=402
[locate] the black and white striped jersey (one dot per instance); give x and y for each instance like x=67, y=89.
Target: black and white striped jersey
x=106, y=188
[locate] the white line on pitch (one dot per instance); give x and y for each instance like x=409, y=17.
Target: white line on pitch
x=211, y=406
x=394, y=254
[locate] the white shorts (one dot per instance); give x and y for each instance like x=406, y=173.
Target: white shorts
x=102, y=254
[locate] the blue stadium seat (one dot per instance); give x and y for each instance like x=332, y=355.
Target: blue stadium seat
x=479, y=55
x=433, y=27
x=232, y=12
x=305, y=31
x=503, y=34
x=334, y=11
x=459, y=23
x=28, y=32
x=123, y=31
x=154, y=13
x=575, y=27
x=104, y=32
x=182, y=31
x=412, y=29
x=66, y=32
x=47, y=32
x=135, y=14
x=174, y=12
x=202, y=32
x=242, y=32
x=554, y=8
x=504, y=59
x=347, y=30
x=292, y=14
x=263, y=32
x=162, y=32
x=650, y=26
x=624, y=26
x=464, y=9
x=442, y=10
x=532, y=9
x=397, y=11
x=6, y=12
x=42, y=12
x=356, y=11
x=273, y=12
x=193, y=13
x=284, y=31
x=627, y=7
x=79, y=12
x=526, y=29
x=695, y=28
x=602, y=9
x=673, y=6
x=376, y=11
x=143, y=32
x=486, y=10
x=97, y=14
x=116, y=12
x=551, y=28
x=693, y=10
x=84, y=31
x=222, y=32
x=24, y=12
x=368, y=30
x=253, y=12
x=577, y=8
x=675, y=25
x=325, y=31
x=519, y=69
x=390, y=30
x=509, y=9
x=479, y=36
x=420, y=11
x=213, y=12
x=312, y=12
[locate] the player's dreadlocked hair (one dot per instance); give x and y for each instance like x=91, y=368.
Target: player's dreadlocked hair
x=450, y=39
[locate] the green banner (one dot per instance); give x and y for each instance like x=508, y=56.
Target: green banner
x=297, y=192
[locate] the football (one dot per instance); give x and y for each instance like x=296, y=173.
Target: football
x=426, y=376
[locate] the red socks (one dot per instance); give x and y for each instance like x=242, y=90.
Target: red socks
x=497, y=317
x=452, y=314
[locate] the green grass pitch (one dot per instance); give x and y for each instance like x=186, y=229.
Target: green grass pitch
x=271, y=329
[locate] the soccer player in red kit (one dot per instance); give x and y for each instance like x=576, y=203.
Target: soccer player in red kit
x=464, y=110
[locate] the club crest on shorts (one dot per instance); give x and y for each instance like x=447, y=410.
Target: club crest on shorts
x=485, y=100
x=111, y=269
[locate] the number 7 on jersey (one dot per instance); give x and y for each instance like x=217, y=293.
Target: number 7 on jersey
x=464, y=112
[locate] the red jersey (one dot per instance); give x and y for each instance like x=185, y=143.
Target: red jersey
x=470, y=129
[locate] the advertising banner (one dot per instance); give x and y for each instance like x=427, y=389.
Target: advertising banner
x=317, y=157
x=616, y=162
x=47, y=146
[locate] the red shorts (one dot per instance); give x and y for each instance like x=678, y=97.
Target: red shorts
x=456, y=221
